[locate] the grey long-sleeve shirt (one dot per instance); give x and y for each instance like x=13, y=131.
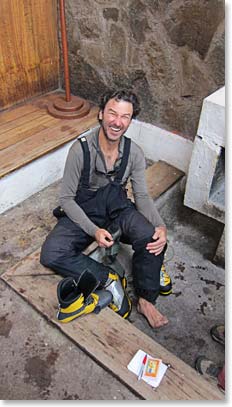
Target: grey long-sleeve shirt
x=135, y=171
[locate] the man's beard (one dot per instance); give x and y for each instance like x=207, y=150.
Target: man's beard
x=106, y=134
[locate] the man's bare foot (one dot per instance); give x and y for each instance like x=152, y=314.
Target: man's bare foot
x=154, y=317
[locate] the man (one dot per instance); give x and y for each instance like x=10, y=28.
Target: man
x=94, y=197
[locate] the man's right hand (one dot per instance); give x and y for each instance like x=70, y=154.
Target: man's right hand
x=103, y=238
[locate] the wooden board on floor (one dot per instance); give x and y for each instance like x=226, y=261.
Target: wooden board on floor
x=107, y=338
x=28, y=132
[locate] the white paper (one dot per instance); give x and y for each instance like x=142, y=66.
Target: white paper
x=135, y=365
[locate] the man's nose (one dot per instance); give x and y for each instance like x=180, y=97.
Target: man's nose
x=118, y=121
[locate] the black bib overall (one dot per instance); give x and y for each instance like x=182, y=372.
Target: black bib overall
x=105, y=204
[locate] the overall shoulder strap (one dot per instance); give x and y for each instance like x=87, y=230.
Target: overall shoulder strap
x=126, y=152
x=86, y=167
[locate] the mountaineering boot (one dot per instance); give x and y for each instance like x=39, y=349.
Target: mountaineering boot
x=80, y=296
x=104, y=299
x=217, y=333
x=165, y=282
x=211, y=371
x=121, y=303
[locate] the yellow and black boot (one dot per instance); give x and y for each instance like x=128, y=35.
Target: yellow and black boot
x=80, y=296
x=165, y=282
x=121, y=303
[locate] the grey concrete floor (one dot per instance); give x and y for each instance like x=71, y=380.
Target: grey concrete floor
x=38, y=362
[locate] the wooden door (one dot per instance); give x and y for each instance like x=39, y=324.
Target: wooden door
x=29, y=51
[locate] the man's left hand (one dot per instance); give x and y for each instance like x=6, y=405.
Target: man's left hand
x=160, y=237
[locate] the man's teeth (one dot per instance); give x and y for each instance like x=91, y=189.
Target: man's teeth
x=115, y=128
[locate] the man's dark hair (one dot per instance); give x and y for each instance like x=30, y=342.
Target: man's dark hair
x=121, y=94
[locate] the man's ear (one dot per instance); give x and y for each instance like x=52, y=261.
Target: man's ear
x=100, y=115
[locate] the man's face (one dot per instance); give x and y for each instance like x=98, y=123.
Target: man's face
x=116, y=118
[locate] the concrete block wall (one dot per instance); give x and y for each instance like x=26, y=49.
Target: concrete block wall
x=205, y=186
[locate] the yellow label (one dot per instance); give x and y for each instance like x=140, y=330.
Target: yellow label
x=152, y=367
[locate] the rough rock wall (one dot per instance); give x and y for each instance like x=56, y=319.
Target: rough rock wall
x=171, y=52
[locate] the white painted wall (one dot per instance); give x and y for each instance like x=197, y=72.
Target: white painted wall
x=32, y=178
x=207, y=148
x=211, y=126
x=157, y=144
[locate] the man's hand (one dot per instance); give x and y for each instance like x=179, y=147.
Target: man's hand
x=160, y=237
x=103, y=238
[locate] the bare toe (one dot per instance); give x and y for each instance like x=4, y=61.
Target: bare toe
x=154, y=317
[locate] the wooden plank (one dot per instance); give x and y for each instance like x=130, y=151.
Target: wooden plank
x=16, y=112
x=23, y=109
x=17, y=125
x=160, y=176
x=109, y=339
x=36, y=124
x=23, y=121
x=44, y=142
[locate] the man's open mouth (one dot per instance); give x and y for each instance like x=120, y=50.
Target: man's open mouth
x=115, y=129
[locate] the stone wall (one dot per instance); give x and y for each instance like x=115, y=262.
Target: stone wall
x=171, y=52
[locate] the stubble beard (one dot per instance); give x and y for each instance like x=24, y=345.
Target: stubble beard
x=108, y=138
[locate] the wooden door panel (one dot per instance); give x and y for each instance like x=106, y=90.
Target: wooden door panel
x=29, y=51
